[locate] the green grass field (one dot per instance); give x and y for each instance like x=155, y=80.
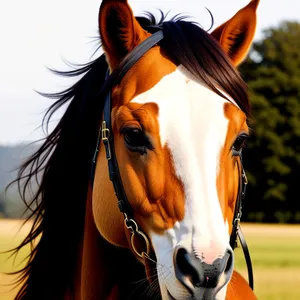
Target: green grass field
x=9, y=238
x=275, y=252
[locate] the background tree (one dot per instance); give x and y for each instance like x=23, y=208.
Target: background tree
x=272, y=160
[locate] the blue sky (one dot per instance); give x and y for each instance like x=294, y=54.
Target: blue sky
x=40, y=34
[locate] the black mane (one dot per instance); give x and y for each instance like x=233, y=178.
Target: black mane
x=189, y=45
x=64, y=158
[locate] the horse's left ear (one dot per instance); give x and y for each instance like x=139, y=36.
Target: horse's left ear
x=120, y=32
x=236, y=35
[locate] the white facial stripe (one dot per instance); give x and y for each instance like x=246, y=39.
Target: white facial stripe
x=194, y=127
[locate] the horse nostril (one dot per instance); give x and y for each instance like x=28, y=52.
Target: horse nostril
x=194, y=273
x=186, y=269
x=229, y=262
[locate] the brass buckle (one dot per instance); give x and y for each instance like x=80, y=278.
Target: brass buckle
x=245, y=177
x=237, y=222
x=105, y=134
x=132, y=226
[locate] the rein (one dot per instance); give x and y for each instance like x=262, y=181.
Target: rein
x=106, y=136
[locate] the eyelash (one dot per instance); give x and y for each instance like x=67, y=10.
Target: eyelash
x=239, y=144
x=136, y=140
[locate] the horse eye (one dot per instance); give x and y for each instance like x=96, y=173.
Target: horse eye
x=239, y=143
x=136, y=140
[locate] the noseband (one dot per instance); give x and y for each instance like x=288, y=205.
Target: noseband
x=106, y=136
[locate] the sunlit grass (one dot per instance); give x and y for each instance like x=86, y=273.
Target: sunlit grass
x=275, y=252
x=10, y=238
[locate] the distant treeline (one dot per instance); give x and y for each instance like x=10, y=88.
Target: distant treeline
x=272, y=157
x=11, y=157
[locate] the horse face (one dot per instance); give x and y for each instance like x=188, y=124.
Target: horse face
x=174, y=145
x=174, y=141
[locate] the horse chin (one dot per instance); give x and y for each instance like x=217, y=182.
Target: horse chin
x=208, y=294
x=218, y=293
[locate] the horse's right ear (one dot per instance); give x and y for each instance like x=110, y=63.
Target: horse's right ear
x=119, y=30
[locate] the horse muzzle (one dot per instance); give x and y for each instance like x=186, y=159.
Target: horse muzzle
x=202, y=280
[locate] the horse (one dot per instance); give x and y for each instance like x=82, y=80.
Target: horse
x=140, y=184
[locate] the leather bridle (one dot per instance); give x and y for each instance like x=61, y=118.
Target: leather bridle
x=106, y=136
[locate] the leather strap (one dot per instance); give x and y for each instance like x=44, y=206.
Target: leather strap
x=247, y=257
x=106, y=130
x=236, y=228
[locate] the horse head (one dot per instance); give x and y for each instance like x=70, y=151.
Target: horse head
x=179, y=123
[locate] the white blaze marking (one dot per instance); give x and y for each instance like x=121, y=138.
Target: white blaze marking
x=194, y=127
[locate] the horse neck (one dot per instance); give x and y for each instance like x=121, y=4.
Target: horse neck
x=239, y=289
x=105, y=271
